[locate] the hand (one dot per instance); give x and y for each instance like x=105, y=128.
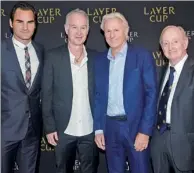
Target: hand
x=141, y=142
x=52, y=138
x=99, y=139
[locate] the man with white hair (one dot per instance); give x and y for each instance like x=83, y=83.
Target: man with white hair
x=125, y=102
x=67, y=98
x=172, y=145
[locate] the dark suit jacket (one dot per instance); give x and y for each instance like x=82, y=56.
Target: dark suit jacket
x=58, y=88
x=139, y=91
x=16, y=100
x=182, y=118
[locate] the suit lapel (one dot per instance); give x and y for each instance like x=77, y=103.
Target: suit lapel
x=38, y=53
x=130, y=63
x=90, y=68
x=161, y=81
x=66, y=69
x=183, y=77
x=106, y=69
x=15, y=61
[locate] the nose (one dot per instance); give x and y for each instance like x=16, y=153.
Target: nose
x=79, y=31
x=170, y=46
x=25, y=26
x=112, y=34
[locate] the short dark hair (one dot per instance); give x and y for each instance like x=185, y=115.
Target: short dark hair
x=23, y=6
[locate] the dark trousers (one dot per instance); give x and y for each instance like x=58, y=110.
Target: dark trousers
x=120, y=146
x=161, y=154
x=25, y=150
x=84, y=146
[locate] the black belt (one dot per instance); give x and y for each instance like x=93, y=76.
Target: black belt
x=118, y=117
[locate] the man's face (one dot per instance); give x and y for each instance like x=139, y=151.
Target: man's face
x=174, y=44
x=76, y=29
x=115, y=33
x=23, y=25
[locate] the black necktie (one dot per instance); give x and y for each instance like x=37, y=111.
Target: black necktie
x=27, y=68
x=162, y=107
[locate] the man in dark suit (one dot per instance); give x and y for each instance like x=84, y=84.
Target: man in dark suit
x=125, y=101
x=68, y=90
x=172, y=146
x=21, y=71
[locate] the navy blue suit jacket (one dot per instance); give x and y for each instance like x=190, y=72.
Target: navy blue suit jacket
x=139, y=91
x=16, y=100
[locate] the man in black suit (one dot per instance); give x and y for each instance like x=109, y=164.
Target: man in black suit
x=68, y=91
x=21, y=71
x=172, y=145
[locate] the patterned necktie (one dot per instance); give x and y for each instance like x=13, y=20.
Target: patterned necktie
x=161, y=124
x=28, y=68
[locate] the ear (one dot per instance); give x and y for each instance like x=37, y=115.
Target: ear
x=185, y=43
x=126, y=33
x=66, y=28
x=10, y=23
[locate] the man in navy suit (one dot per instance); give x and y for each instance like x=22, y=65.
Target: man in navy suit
x=20, y=92
x=125, y=103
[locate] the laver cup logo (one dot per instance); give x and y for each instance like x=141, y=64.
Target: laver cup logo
x=160, y=61
x=48, y=15
x=3, y=12
x=76, y=165
x=15, y=168
x=133, y=35
x=96, y=14
x=159, y=14
x=189, y=34
x=45, y=146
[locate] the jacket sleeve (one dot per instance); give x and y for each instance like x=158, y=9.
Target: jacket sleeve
x=148, y=120
x=47, y=94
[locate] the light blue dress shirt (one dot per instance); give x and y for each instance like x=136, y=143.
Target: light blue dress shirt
x=116, y=75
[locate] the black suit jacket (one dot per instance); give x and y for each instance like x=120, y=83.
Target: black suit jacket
x=182, y=118
x=57, y=88
x=16, y=100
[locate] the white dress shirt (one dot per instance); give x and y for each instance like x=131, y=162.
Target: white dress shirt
x=81, y=120
x=20, y=52
x=178, y=68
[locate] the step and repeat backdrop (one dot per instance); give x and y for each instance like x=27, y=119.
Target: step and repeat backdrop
x=146, y=20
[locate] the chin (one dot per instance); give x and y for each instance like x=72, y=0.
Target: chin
x=79, y=43
x=113, y=45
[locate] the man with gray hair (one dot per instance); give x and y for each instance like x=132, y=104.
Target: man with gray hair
x=172, y=145
x=67, y=98
x=125, y=102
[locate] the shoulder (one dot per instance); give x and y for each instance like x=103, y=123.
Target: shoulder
x=57, y=50
x=6, y=43
x=101, y=56
x=138, y=49
x=140, y=53
x=91, y=53
x=3, y=44
x=38, y=46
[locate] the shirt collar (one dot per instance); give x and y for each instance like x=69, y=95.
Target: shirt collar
x=121, y=53
x=21, y=45
x=178, y=67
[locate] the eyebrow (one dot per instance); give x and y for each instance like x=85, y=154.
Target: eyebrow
x=30, y=21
